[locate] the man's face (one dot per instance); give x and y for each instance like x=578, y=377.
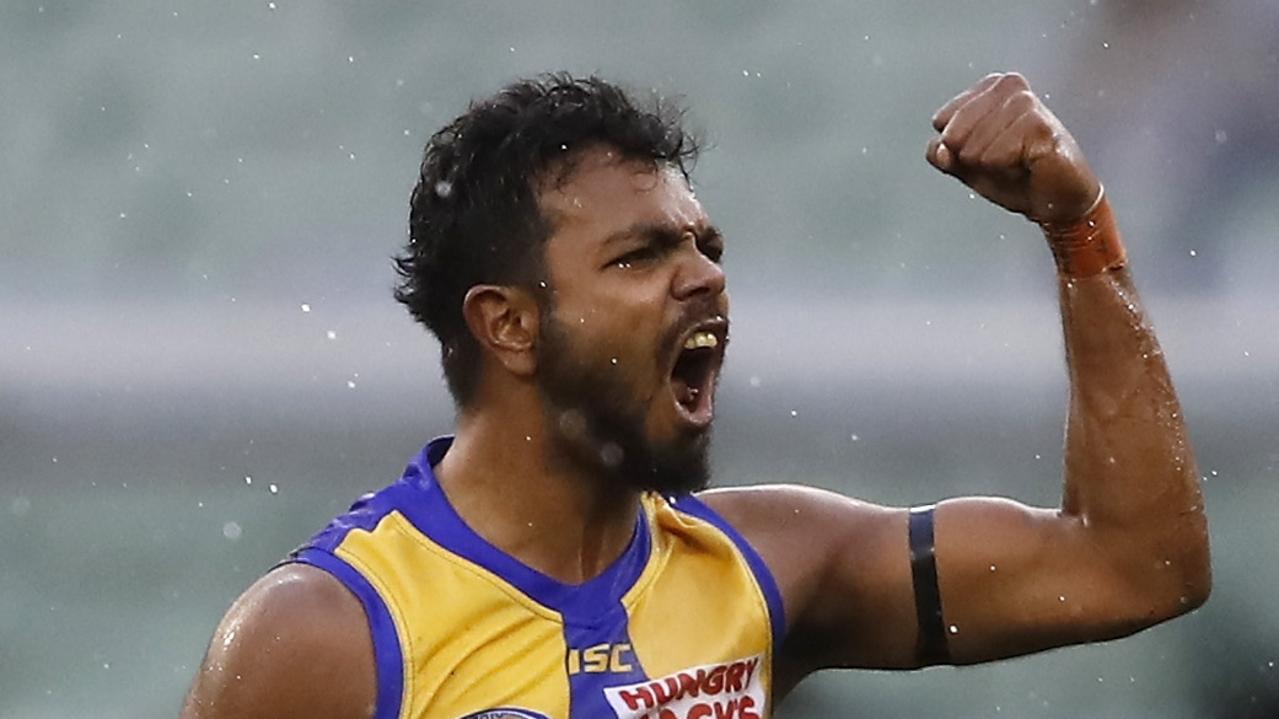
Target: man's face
x=630, y=352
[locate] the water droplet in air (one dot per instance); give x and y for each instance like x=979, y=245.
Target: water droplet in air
x=443, y=189
x=331, y=334
x=270, y=6
x=992, y=567
x=248, y=479
x=306, y=307
x=350, y=384
x=954, y=629
x=1194, y=254
x=232, y=531
x=1221, y=137
x=611, y=454
x=755, y=381
x=273, y=489
x=794, y=413
x=613, y=360
x=854, y=437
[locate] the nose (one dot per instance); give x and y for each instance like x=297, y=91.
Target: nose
x=698, y=275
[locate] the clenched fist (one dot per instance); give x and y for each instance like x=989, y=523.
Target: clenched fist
x=1000, y=140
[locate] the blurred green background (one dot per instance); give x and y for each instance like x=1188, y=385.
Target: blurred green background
x=200, y=362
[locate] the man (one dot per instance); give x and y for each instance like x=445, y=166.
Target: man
x=550, y=560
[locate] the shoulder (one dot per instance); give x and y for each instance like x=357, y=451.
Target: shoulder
x=804, y=534
x=296, y=643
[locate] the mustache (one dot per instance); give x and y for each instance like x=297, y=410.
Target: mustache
x=693, y=314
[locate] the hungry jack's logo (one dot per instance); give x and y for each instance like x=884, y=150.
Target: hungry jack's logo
x=732, y=690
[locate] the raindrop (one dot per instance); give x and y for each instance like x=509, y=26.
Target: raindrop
x=270, y=6
x=613, y=360
x=611, y=454
x=1221, y=137
x=854, y=437
x=232, y=531
x=992, y=567
x=248, y=479
x=443, y=189
x=954, y=629
x=350, y=58
x=256, y=56
x=755, y=381
x=746, y=73
x=274, y=489
x=106, y=665
x=1106, y=45
x=794, y=413
x=1061, y=597
x=1194, y=254
x=306, y=307
x=350, y=384
x=331, y=334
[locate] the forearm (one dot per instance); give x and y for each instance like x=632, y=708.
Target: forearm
x=1130, y=474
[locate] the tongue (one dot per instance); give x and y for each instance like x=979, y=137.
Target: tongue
x=684, y=394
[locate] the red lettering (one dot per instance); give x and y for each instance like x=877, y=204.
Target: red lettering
x=734, y=675
x=726, y=711
x=665, y=690
x=744, y=708
x=750, y=668
x=714, y=683
x=699, y=711
x=668, y=714
x=636, y=696
x=689, y=685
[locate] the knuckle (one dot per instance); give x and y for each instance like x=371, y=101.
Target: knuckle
x=1015, y=79
x=1021, y=100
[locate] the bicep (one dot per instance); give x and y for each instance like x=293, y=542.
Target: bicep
x=1017, y=579
x=1013, y=579
x=295, y=644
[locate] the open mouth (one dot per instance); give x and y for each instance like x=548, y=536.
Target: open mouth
x=694, y=373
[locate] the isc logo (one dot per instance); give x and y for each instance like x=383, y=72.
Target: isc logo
x=601, y=658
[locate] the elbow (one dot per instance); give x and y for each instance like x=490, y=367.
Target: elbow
x=1186, y=586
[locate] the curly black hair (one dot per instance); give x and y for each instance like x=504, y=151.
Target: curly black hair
x=474, y=216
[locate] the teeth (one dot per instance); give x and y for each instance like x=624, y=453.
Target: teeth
x=700, y=340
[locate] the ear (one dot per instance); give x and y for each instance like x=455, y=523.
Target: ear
x=505, y=321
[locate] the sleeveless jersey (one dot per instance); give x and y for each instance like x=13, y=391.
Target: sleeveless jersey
x=683, y=625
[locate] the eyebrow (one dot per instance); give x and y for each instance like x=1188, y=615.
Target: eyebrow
x=660, y=231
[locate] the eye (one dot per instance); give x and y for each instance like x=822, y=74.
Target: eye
x=714, y=252
x=635, y=257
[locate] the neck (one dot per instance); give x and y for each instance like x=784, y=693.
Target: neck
x=511, y=484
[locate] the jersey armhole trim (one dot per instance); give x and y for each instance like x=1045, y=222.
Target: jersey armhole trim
x=763, y=577
x=387, y=656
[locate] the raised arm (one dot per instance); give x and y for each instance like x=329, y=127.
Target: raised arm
x=295, y=644
x=1128, y=545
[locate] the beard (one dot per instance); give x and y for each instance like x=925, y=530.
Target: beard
x=596, y=420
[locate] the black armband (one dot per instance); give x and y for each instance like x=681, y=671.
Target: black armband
x=931, y=646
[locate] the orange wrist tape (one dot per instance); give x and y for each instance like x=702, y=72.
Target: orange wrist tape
x=1089, y=245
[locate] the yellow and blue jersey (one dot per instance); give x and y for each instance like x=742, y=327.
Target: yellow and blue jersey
x=683, y=625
